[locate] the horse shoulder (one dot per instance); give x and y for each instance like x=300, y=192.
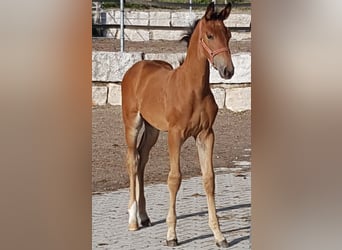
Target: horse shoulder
x=209, y=108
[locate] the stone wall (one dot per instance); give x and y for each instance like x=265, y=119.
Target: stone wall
x=166, y=19
x=236, y=98
x=169, y=18
x=108, y=68
x=111, y=66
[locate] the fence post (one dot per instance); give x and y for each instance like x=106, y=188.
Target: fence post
x=122, y=37
x=97, y=13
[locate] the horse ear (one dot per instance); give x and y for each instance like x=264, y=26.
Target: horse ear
x=210, y=11
x=225, y=12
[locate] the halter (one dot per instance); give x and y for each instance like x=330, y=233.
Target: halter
x=212, y=53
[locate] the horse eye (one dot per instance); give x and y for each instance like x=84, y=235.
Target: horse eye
x=209, y=36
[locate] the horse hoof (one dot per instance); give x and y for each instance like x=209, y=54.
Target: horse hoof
x=223, y=244
x=146, y=223
x=172, y=243
x=133, y=227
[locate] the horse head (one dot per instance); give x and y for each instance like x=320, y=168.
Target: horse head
x=214, y=37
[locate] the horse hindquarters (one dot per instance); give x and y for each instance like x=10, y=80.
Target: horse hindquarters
x=137, y=157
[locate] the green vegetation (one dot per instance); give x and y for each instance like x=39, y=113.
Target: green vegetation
x=203, y=1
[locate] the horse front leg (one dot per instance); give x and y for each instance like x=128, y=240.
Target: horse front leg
x=174, y=182
x=205, y=145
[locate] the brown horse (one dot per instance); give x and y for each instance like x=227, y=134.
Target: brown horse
x=178, y=101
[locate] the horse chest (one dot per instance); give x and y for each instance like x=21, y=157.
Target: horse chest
x=201, y=119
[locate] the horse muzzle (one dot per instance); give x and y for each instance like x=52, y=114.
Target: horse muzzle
x=226, y=72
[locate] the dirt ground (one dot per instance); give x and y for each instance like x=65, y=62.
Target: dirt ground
x=109, y=44
x=232, y=131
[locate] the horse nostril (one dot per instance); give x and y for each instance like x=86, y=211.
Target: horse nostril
x=228, y=73
x=225, y=71
x=231, y=73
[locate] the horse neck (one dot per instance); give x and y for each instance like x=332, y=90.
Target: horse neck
x=196, y=62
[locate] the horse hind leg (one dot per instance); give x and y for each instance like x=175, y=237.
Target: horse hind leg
x=133, y=123
x=148, y=140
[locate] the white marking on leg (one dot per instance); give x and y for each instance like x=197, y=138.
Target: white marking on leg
x=132, y=212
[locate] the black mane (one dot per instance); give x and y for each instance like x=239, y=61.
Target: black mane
x=187, y=36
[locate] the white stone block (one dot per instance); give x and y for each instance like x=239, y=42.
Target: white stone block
x=136, y=18
x=238, y=20
x=110, y=17
x=182, y=19
x=197, y=15
x=131, y=17
x=240, y=36
x=242, y=74
x=219, y=95
x=99, y=95
x=116, y=17
x=111, y=66
x=172, y=58
x=100, y=66
x=160, y=18
x=114, y=94
x=238, y=99
x=169, y=35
